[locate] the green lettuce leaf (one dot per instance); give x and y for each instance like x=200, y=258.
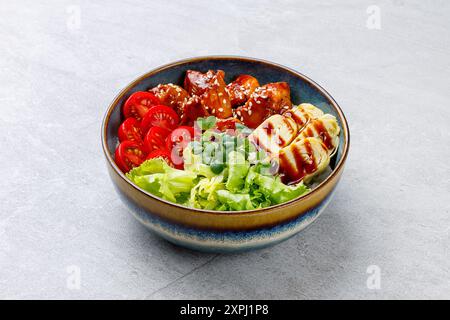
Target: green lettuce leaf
x=266, y=187
x=158, y=178
x=234, y=201
x=204, y=194
x=156, y=165
x=237, y=171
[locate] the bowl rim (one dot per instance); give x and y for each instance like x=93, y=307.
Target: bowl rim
x=311, y=82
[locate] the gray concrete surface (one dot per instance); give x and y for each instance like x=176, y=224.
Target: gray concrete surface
x=61, y=64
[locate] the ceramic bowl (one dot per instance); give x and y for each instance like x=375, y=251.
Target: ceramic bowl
x=220, y=231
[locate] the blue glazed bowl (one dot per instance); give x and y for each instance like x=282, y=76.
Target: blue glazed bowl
x=220, y=231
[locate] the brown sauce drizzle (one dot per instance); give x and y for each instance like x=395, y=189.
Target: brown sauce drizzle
x=268, y=128
x=296, y=118
x=323, y=134
x=291, y=174
x=255, y=139
x=310, y=167
x=309, y=132
x=288, y=173
x=299, y=170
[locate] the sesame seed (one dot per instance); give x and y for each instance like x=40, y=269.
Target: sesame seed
x=249, y=112
x=220, y=109
x=224, y=101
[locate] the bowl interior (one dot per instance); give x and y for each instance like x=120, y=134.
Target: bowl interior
x=303, y=90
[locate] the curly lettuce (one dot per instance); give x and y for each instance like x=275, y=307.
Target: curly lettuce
x=160, y=179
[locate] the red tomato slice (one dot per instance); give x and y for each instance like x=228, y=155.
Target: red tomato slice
x=161, y=153
x=160, y=116
x=129, y=154
x=176, y=156
x=130, y=129
x=155, y=138
x=177, y=140
x=138, y=104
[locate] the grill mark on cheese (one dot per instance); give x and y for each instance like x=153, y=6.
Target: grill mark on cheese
x=299, y=120
x=323, y=134
x=311, y=165
x=317, y=129
x=308, y=132
x=268, y=128
x=280, y=140
x=255, y=140
x=303, y=165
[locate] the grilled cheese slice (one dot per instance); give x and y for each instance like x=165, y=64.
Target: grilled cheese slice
x=325, y=128
x=302, y=160
x=303, y=114
x=275, y=133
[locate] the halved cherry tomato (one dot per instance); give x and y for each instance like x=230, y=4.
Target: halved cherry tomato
x=159, y=116
x=181, y=135
x=138, y=104
x=155, y=138
x=176, y=156
x=162, y=153
x=130, y=129
x=177, y=140
x=129, y=154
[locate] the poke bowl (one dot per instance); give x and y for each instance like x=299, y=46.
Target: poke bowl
x=259, y=196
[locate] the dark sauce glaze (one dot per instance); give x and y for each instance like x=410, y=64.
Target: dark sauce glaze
x=295, y=117
x=304, y=165
x=309, y=132
x=255, y=140
x=323, y=134
x=311, y=165
x=268, y=128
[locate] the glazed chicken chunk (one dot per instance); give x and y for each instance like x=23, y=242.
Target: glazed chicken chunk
x=211, y=89
x=171, y=95
x=265, y=101
x=192, y=110
x=240, y=89
x=196, y=82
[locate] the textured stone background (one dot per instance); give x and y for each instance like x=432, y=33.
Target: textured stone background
x=61, y=64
